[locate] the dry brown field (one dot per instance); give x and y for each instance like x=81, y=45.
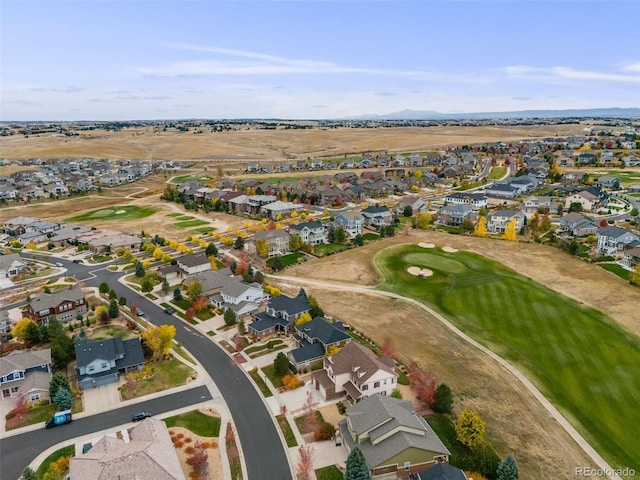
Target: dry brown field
x=517, y=423
x=146, y=144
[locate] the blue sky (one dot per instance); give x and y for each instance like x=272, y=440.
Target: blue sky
x=107, y=60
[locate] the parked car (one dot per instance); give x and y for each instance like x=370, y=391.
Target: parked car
x=136, y=417
x=168, y=310
x=59, y=264
x=77, y=260
x=86, y=447
x=139, y=312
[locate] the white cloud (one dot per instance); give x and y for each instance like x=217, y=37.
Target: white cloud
x=568, y=73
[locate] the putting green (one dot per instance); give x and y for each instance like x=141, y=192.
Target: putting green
x=119, y=212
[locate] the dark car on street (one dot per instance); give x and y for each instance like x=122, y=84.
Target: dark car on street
x=136, y=417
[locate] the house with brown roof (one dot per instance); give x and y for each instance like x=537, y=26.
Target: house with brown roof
x=150, y=455
x=64, y=304
x=278, y=241
x=26, y=373
x=355, y=372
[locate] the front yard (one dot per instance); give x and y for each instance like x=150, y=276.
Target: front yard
x=39, y=414
x=166, y=374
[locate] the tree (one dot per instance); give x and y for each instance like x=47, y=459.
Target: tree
x=140, y=270
x=442, y=399
x=112, y=294
x=146, y=285
x=315, y=311
x=387, y=349
x=575, y=207
x=390, y=230
x=151, y=337
x=165, y=286
x=508, y=469
x=294, y=242
x=194, y=290
x=281, y=365
x=104, y=287
x=358, y=240
x=470, y=429
x=63, y=399
x=302, y=319
x=229, y=317
x=510, y=232
x=305, y=461
x=481, y=227
x=211, y=250
x=356, y=466
x=408, y=211
x=190, y=313
x=167, y=333
x=122, y=301
x=634, y=278
x=114, y=309
x=200, y=304
x=35, y=335
x=332, y=234
x=199, y=459
x=177, y=294
x=102, y=313
x=262, y=248
x=19, y=330
x=58, y=380
x=424, y=383
x=634, y=212
x=423, y=221
x=239, y=243
x=28, y=474
x=466, y=226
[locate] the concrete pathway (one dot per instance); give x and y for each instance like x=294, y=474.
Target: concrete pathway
x=555, y=413
x=101, y=399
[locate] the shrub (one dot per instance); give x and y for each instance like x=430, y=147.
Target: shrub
x=324, y=432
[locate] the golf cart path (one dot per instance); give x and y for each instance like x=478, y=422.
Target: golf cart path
x=548, y=406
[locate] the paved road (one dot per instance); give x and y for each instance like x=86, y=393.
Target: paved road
x=19, y=450
x=546, y=404
x=265, y=456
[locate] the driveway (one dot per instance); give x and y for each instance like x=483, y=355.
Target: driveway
x=101, y=399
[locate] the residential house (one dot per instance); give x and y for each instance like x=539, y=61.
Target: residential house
x=416, y=203
x=578, y=225
x=279, y=315
x=100, y=362
x=377, y=216
x=314, y=339
x=606, y=181
x=454, y=215
x=355, y=372
x=239, y=296
x=68, y=234
x=5, y=322
x=32, y=237
x=631, y=257
x=574, y=178
x=64, y=304
x=612, y=240
x=497, y=221
x=588, y=201
x=148, y=454
x=395, y=441
x=532, y=204
x=211, y=281
x=18, y=225
x=192, y=264
x=351, y=222
x=502, y=190
x=26, y=373
x=280, y=208
x=278, y=241
x=311, y=233
x=441, y=471
x=474, y=200
x=11, y=265
x=256, y=202
x=587, y=158
x=525, y=183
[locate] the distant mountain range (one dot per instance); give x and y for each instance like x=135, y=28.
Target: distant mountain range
x=431, y=115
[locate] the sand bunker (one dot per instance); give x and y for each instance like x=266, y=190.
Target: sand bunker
x=449, y=249
x=426, y=245
x=120, y=212
x=420, y=272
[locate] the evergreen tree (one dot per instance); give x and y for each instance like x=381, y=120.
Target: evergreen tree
x=229, y=317
x=442, y=399
x=239, y=243
x=508, y=469
x=112, y=294
x=165, y=286
x=177, y=294
x=358, y=240
x=58, y=381
x=315, y=311
x=332, y=234
x=104, y=287
x=281, y=365
x=114, y=310
x=63, y=399
x=140, y=270
x=28, y=474
x=32, y=333
x=356, y=466
x=211, y=249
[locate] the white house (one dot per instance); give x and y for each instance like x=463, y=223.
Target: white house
x=351, y=222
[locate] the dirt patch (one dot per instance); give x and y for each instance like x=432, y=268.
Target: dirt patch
x=420, y=272
x=426, y=245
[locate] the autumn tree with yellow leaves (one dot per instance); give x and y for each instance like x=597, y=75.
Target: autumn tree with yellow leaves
x=510, y=232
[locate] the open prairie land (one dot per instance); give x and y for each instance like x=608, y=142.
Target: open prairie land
x=147, y=144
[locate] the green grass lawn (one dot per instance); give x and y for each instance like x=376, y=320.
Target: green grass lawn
x=287, y=260
x=110, y=331
x=190, y=178
x=131, y=212
x=580, y=358
x=287, y=432
x=497, y=173
x=204, y=229
x=264, y=388
x=196, y=422
x=329, y=473
x=167, y=374
x=617, y=269
x=370, y=236
x=68, y=451
x=174, y=214
x=329, y=248
x=190, y=223
x=183, y=303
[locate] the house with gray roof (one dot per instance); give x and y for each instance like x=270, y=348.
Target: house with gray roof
x=612, y=240
x=377, y=216
x=64, y=304
x=101, y=362
x=352, y=223
x=278, y=241
x=314, y=338
x=392, y=437
x=311, y=233
x=502, y=190
x=149, y=455
x=239, y=296
x=355, y=372
x=284, y=209
x=497, y=221
x=11, y=265
x=454, y=215
x=26, y=373
x=578, y=225
x=279, y=315
x=441, y=471
x=191, y=264
x=474, y=200
x=210, y=280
